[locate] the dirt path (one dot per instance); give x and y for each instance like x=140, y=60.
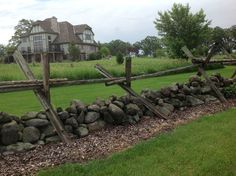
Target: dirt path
x=101, y=143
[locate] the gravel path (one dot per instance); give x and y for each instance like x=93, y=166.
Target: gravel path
x=101, y=143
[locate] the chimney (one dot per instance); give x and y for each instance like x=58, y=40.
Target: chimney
x=54, y=24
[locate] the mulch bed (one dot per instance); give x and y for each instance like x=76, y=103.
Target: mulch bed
x=100, y=143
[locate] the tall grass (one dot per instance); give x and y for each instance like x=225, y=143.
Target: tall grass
x=85, y=69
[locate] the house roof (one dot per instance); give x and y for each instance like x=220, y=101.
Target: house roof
x=45, y=24
x=67, y=34
x=79, y=29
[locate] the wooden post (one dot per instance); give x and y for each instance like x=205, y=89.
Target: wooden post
x=52, y=115
x=46, y=75
x=234, y=74
x=212, y=85
x=128, y=71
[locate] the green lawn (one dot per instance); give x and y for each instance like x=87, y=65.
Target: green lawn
x=85, y=69
x=20, y=102
x=204, y=147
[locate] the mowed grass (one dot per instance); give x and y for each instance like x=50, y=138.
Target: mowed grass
x=204, y=147
x=19, y=103
x=85, y=69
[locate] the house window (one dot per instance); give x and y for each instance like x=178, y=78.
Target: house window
x=38, y=43
x=87, y=37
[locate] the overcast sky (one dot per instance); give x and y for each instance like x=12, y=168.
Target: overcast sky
x=128, y=20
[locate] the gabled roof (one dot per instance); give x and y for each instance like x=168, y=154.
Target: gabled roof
x=67, y=34
x=79, y=29
x=46, y=25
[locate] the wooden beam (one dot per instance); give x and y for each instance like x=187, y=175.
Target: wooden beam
x=46, y=75
x=212, y=85
x=234, y=74
x=128, y=63
x=145, y=102
x=52, y=115
x=188, y=52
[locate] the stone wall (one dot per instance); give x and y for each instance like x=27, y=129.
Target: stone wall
x=34, y=128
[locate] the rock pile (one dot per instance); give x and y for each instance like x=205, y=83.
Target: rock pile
x=17, y=134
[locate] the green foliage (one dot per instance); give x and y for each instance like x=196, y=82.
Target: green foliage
x=180, y=27
x=161, y=52
x=24, y=26
x=120, y=58
x=230, y=92
x=74, y=51
x=149, y=45
x=116, y=46
x=205, y=146
x=92, y=56
x=104, y=51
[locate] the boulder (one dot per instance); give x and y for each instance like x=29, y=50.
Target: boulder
x=175, y=102
x=94, y=108
x=97, y=125
x=78, y=104
x=4, y=118
x=71, y=110
x=168, y=106
x=166, y=92
x=72, y=122
x=207, y=98
x=117, y=113
x=133, y=119
x=52, y=139
x=63, y=115
x=195, y=84
x=206, y=90
x=186, y=90
x=194, y=78
x=37, y=123
x=29, y=115
x=10, y=133
x=68, y=128
x=91, y=117
x=132, y=109
x=49, y=131
x=174, y=88
x=193, y=101
x=164, y=110
x=81, y=131
x=31, y=134
x=80, y=117
x=119, y=104
x=20, y=147
x=42, y=116
x=107, y=117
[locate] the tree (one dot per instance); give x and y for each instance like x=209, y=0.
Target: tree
x=21, y=28
x=179, y=27
x=149, y=45
x=116, y=46
x=119, y=58
x=2, y=52
x=104, y=51
x=74, y=51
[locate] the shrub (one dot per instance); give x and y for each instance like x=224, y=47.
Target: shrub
x=119, y=58
x=98, y=55
x=230, y=92
x=92, y=56
x=74, y=51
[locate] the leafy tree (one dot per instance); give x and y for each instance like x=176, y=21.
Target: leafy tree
x=180, y=27
x=104, y=51
x=149, y=45
x=74, y=51
x=2, y=52
x=21, y=28
x=119, y=58
x=116, y=46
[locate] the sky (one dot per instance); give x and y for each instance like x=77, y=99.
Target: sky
x=128, y=20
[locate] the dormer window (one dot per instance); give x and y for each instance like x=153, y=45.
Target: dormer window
x=87, y=37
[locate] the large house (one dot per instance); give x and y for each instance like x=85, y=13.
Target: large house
x=54, y=38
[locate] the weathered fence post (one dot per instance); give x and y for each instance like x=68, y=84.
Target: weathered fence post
x=128, y=64
x=46, y=75
x=52, y=115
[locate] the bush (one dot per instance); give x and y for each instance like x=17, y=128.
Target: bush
x=119, y=58
x=230, y=92
x=98, y=55
x=92, y=56
x=159, y=53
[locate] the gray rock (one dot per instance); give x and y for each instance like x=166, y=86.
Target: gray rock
x=81, y=131
x=164, y=110
x=193, y=101
x=195, y=84
x=205, y=89
x=174, y=88
x=37, y=122
x=78, y=104
x=40, y=142
x=31, y=135
x=166, y=92
x=63, y=115
x=94, y=108
x=97, y=125
x=207, y=98
x=175, y=102
x=52, y=139
x=132, y=109
x=91, y=117
x=42, y=116
x=80, y=118
x=186, y=90
x=49, y=131
x=71, y=110
x=29, y=115
x=10, y=133
x=168, y=106
x=119, y=104
x=68, y=128
x=72, y=122
x=4, y=118
x=194, y=78
x=19, y=147
x=117, y=113
x=107, y=117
